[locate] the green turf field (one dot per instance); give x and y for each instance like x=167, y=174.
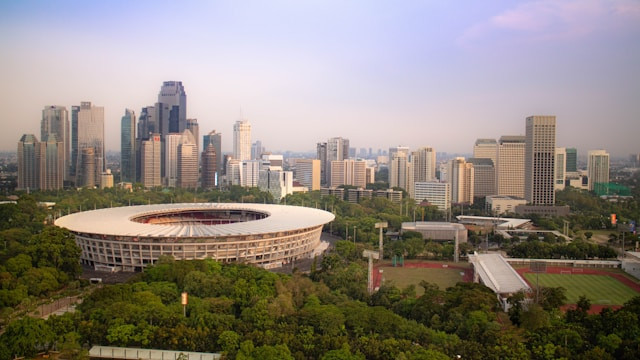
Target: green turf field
x=599, y=289
x=403, y=277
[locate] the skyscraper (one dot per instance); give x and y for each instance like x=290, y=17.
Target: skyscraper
x=560, y=166
x=209, y=166
x=399, y=167
x=27, y=163
x=187, y=161
x=572, y=160
x=192, y=125
x=461, y=177
x=484, y=175
x=348, y=172
x=597, y=168
x=171, y=109
x=150, y=160
x=423, y=163
x=540, y=148
x=486, y=149
x=87, y=123
x=128, y=147
x=215, y=138
x=308, y=173
x=256, y=150
x=242, y=140
x=55, y=120
x=51, y=157
x=171, y=143
x=510, y=166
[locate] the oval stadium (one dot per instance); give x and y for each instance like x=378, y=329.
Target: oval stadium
x=132, y=237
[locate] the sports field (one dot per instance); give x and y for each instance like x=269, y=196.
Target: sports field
x=599, y=289
x=413, y=273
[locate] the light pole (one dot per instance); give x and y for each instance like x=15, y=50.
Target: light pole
x=354, y=234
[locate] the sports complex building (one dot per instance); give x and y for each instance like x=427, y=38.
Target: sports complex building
x=132, y=237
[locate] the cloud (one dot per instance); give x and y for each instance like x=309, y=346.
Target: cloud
x=556, y=19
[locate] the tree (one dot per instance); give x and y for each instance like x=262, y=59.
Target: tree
x=27, y=336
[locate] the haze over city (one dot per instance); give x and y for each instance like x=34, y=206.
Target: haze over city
x=434, y=73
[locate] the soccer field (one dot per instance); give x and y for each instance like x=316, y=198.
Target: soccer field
x=404, y=276
x=599, y=289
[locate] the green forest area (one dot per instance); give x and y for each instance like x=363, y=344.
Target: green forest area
x=245, y=312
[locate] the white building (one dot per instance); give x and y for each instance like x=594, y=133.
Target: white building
x=597, y=168
x=242, y=140
x=503, y=204
x=277, y=182
x=436, y=193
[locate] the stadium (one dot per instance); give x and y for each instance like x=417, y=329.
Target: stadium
x=132, y=237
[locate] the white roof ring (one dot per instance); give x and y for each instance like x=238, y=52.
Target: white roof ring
x=162, y=220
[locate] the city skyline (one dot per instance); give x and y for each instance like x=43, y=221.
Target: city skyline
x=382, y=75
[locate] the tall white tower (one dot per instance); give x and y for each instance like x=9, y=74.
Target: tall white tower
x=597, y=168
x=242, y=140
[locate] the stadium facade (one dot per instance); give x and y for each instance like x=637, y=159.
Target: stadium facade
x=132, y=237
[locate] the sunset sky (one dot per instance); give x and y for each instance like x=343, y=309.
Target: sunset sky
x=381, y=73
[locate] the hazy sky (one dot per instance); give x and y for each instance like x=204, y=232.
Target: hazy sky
x=381, y=73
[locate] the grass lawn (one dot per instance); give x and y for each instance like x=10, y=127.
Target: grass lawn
x=599, y=289
x=403, y=277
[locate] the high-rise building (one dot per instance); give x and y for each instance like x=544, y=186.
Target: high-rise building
x=349, y=172
x=308, y=173
x=128, y=147
x=187, y=161
x=484, y=175
x=28, y=164
x=55, y=120
x=86, y=175
x=335, y=149
x=435, y=192
x=171, y=109
x=597, y=168
x=278, y=183
x=147, y=123
x=486, y=149
x=171, y=143
x=209, y=166
x=192, y=125
x=242, y=140
x=51, y=154
x=87, y=123
x=461, y=177
x=400, y=173
x=150, y=157
x=257, y=150
x=510, y=166
x=560, y=166
x=572, y=160
x=540, y=149
x=423, y=163
x=215, y=139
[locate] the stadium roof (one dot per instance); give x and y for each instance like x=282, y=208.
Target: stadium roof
x=118, y=221
x=500, y=222
x=497, y=274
